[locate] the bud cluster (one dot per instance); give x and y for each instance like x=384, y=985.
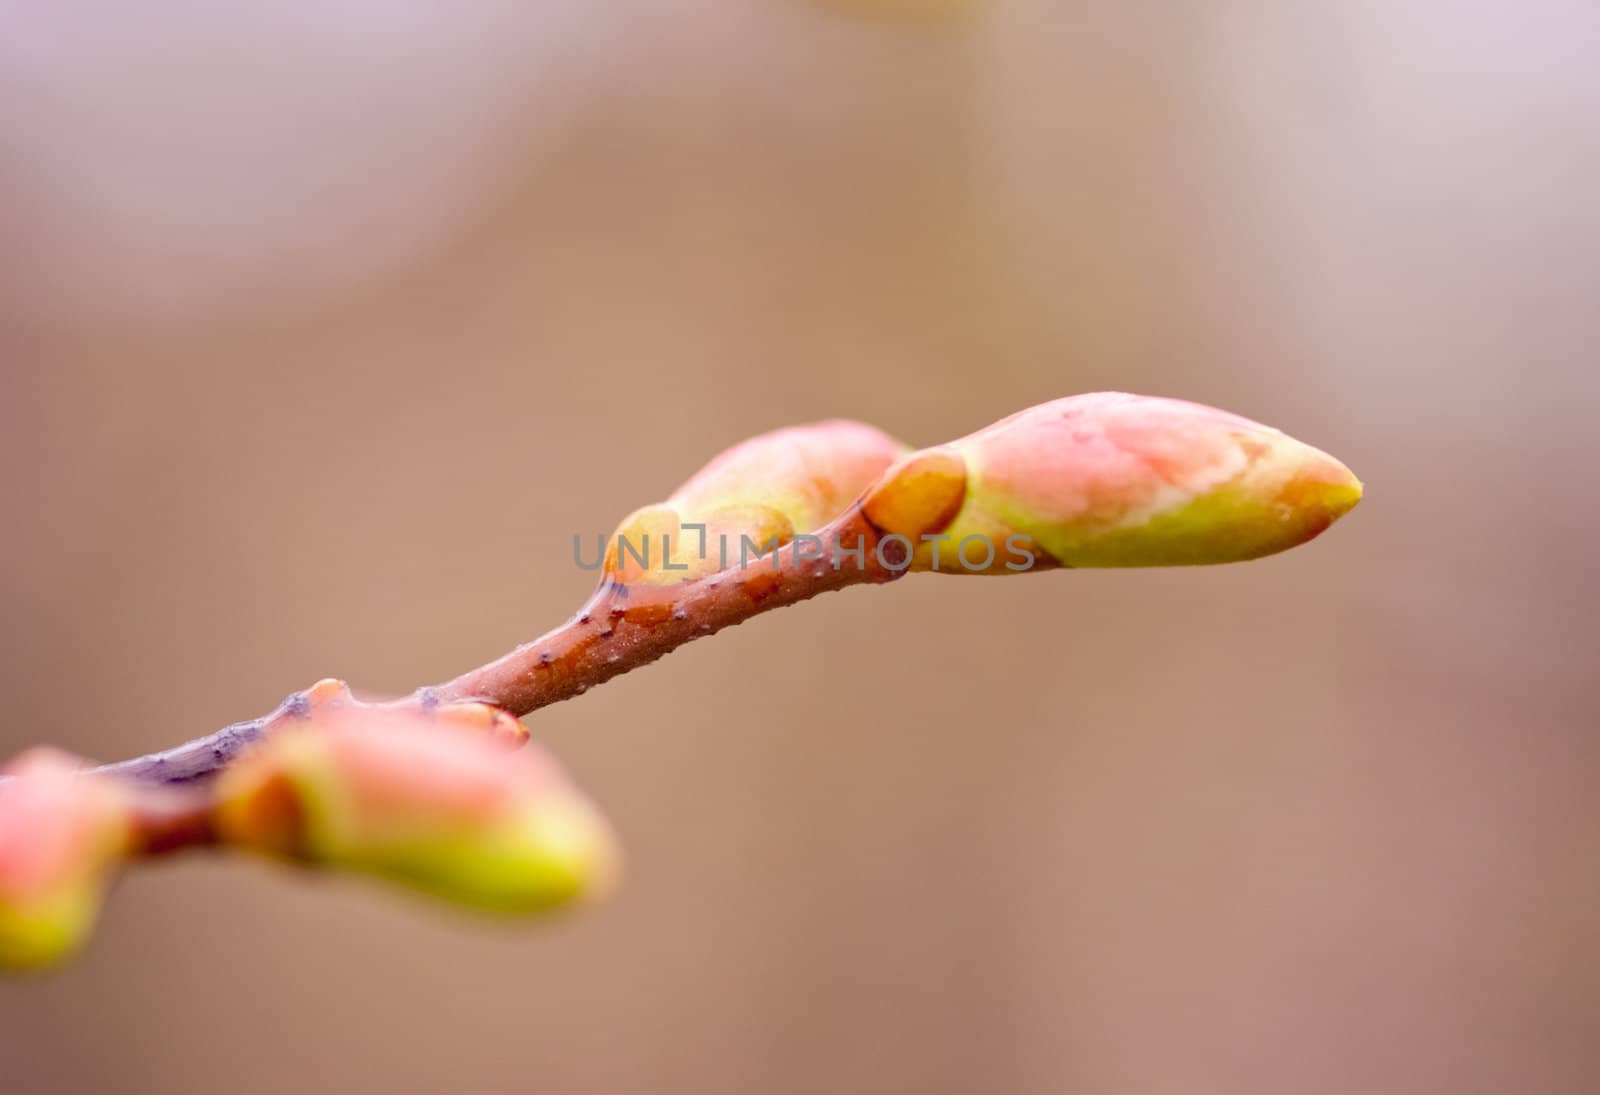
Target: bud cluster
x=438, y=794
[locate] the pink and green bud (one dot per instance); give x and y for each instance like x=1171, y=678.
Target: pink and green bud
x=766, y=490
x=63, y=832
x=393, y=793
x=1110, y=480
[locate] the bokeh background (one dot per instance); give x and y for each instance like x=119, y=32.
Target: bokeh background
x=325, y=326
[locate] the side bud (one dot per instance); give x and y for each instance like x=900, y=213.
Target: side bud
x=391, y=793
x=766, y=490
x=63, y=831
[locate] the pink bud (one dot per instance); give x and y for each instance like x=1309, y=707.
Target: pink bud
x=768, y=489
x=1112, y=480
x=390, y=792
x=62, y=831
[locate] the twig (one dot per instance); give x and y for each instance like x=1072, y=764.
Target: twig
x=620, y=628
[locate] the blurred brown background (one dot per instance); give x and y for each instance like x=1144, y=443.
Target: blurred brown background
x=324, y=326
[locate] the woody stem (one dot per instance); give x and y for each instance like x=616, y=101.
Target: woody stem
x=622, y=627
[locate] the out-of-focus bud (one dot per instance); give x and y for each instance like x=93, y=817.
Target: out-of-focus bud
x=62, y=832
x=1110, y=480
x=390, y=792
x=766, y=490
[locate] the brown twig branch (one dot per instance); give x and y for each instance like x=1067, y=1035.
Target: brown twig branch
x=620, y=628
x=169, y=819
